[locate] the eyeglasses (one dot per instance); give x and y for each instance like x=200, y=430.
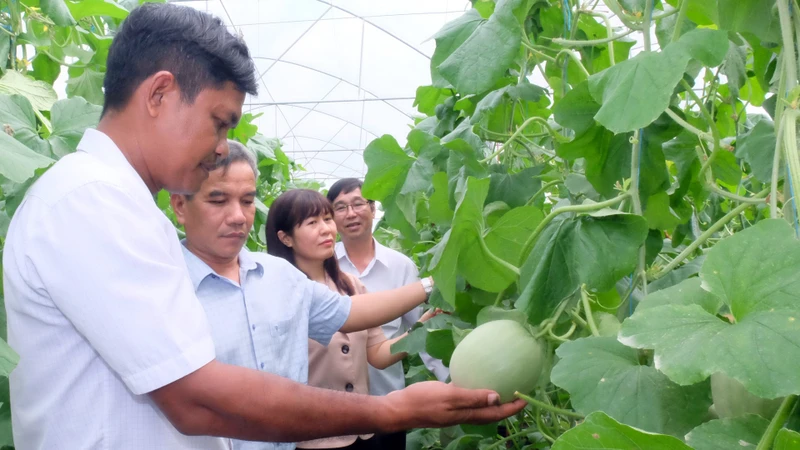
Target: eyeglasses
x=358, y=206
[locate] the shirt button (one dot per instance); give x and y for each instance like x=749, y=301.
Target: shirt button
x=262, y=365
x=348, y=387
x=254, y=327
x=345, y=349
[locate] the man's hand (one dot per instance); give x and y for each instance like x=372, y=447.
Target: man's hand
x=433, y=404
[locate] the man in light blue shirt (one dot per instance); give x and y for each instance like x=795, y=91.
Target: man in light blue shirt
x=261, y=309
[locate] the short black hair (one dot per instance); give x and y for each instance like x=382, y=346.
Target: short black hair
x=344, y=186
x=194, y=46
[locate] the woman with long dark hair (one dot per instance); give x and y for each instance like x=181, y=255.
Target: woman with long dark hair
x=300, y=229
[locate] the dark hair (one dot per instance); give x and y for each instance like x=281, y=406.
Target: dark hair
x=289, y=210
x=344, y=186
x=237, y=153
x=194, y=46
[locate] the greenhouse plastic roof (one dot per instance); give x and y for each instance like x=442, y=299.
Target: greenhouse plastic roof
x=335, y=75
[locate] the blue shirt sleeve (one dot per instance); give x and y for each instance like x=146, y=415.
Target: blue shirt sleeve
x=328, y=311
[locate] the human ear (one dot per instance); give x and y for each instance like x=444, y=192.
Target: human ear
x=285, y=239
x=158, y=88
x=178, y=203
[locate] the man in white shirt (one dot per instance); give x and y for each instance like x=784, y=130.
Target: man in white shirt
x=115, y=349
x=379, y=268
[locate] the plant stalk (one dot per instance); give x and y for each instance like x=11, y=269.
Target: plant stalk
x=790, y=149
x=790, y=68
x=497, y=443
x=676, y=33
x=703, y=110
x=704, y=236
x=542, y=190
x=496, y=258
x=689, y=127
x=776, y=423
x=518, y=132
x=587, y=309
x=555, y=410
x=575, y=58
x=776, y=162
x=648, y=17
x=636, y=201
x=593, y=42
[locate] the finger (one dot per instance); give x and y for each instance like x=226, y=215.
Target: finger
x=473, y=398
x=495, y=413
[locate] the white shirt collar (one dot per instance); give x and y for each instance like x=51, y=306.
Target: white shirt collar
x=99, y=145
x=381, y=254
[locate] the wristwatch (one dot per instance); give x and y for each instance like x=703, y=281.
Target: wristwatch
x=427, y=284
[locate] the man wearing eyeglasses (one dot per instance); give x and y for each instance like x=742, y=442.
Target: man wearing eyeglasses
x=379, y=268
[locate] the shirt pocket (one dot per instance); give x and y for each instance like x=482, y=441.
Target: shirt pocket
x=280, y=328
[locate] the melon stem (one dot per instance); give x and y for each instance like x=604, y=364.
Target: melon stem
x=533, y=402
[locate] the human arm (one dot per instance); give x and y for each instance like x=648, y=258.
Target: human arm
x=436, y=366
x=376, y=308
x=380, y=355
x=230, y=401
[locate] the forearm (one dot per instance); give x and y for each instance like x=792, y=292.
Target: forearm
x=380, y=355
x=250, y=405
x=377, y=308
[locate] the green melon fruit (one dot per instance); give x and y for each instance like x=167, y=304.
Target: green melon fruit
x=501, y=356
x=732, y=399
x=607, y=324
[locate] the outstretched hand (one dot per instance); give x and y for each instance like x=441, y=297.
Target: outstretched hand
x=430, y=314
x=433, y=404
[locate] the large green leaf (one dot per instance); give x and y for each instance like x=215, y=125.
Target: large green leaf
x=19, y=120
x=439, y=202
x=787, y=440
x=601, y=374
x=754, y=272
x=507, y=236
x=86, y=83
x=70, y=118
x=6, y=433
x=40, y=94
x=428, y=97
x=635, y=92
x=689, y=292
x=596, y=251
x=659, y=213
x=45, y=69
x=608, y=160
x=726, y=434
x=449, y=38
x=601, y=432
x=463, y=250
x=18, y=162
x=86, y=8
x=477, y=64
x=577, y=109
x=8, y=359
x=513, y=188
x=58, y=12
x=388, y=166
x=757, y=147
x=735, y=68
x=753, y=16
